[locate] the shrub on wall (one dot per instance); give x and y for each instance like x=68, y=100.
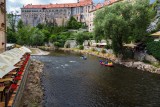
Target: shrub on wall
x=153, y=48
x=81, y=47
x=103, y=51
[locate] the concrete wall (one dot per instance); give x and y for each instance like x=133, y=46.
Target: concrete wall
x=18, y=97
x=2, y=25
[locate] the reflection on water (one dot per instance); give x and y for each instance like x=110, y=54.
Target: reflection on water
x=70, y=81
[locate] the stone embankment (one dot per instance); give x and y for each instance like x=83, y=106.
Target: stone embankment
x=33, y=94
x=133, y=64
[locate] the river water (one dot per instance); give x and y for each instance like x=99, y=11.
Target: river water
x=70, y=81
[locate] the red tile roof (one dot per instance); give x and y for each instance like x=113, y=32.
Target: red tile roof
x=106, y=3
x=99, y=5
x=110, y=2
x=81, y=3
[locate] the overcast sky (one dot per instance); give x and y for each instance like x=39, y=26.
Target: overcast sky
x=15, y=5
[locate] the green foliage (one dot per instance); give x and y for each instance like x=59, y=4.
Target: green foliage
x=57, y=44
x=103, y=51
x=60, y=38
x=11, y=36
x=40, y=26
x=46, y=34
x=20, y=24
x=123, y=22
x=53, y=38
x=81, y=37
x=12, y=21
x=81, y=47
x=158, y=27
x=37, y=37
x=108, y=46
x=148, y=39
x=128, y=54
x=99, y=25
x=154, y=49
x=74, y=24
x=30, y=36
x=93, y=49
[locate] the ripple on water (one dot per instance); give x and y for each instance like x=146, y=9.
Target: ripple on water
x=88, y=84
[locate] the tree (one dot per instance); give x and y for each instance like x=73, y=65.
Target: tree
x=123, y=22
x=24, y=35
x=53, y=38
x=40, y=26
x=12, y=20
x=46, y=34
x=81, y=37
x=11, y=29
x=37, y=37
x=99, y=25
x=11, y=36
x=74, y=24
x=20, y=24
x=154, y=49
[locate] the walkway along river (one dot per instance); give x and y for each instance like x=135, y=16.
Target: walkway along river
x=70, y=81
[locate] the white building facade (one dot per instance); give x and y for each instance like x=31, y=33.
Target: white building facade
x=59, y=13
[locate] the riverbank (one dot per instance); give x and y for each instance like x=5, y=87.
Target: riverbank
x=133, y=64
x=37, y=51
x=33, y=94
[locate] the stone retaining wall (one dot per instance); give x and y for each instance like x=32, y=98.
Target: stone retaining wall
x=21, y=88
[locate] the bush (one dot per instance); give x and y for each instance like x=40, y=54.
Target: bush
x=108, y=46
x=103, y=51
x=81, y=47
x=93, y=49
x=57, y=44
x=153, y=48
x=128, y=54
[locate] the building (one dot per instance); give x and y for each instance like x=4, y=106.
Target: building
x=84, y=11
x=59, y=13
x=2, y=25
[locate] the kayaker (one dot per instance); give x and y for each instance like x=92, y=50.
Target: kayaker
x=106, y=62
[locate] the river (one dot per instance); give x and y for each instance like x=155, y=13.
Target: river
x=70, y=81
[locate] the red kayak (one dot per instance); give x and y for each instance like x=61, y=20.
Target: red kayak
x=109, y=64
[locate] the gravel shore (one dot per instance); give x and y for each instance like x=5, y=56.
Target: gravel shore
x=33, y=93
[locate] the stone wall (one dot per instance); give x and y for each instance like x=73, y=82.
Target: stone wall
x=19, y=93
x=145, y=57
x=2, y=25
x=70, y=44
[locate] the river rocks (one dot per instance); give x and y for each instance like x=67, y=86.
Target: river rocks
x=141, y=66
x=133, y=64
x=33, y=94
x=151, y=59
